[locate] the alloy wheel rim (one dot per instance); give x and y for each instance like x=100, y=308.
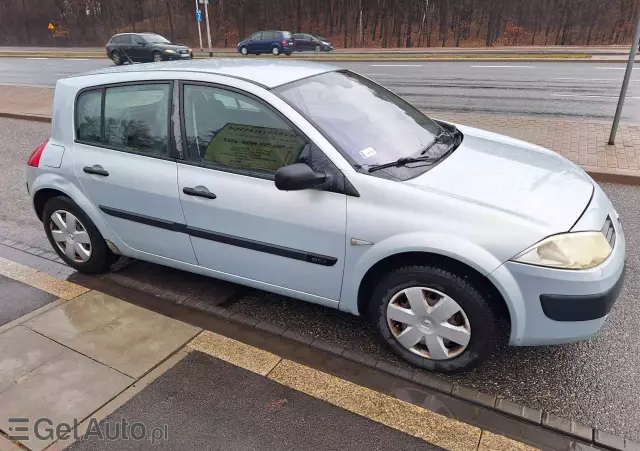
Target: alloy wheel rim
x=157, y=57
x=318, y=48
x=243, y=50
x=428, y=323
x=71, y=236
x=275, y=51
x=116, y=58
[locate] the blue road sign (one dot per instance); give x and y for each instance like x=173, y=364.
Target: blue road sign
x=199, y=15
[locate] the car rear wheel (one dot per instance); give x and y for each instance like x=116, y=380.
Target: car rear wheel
x=318, y=49
x=115, y=57
x=74, y=237
x=434, y=319
x=244, y=50
x=157, y=57
x=275, y=51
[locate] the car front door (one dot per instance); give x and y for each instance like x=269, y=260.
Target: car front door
x=254, y=42
x=140, y=49
x=309, y=42
x=122, y=158
x=240, y=223
x=125, y=46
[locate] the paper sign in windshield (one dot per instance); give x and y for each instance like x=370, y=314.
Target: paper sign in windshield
x=252, y=147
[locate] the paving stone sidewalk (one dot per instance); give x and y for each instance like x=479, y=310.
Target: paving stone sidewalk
x=583, y=142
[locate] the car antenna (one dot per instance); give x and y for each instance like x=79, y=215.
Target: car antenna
x=125, y=54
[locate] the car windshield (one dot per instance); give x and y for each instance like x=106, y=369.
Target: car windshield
x=156, y=39
x=319, y=38
x=367, y=123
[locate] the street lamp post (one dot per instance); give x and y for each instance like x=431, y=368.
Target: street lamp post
x=625, y=82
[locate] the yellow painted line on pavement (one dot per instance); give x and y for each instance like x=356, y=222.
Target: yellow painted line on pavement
x=405, y=417
x=58, y=287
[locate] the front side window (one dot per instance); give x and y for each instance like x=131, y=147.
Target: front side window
x=369, y=124
x=133, y=118
x=156, y=39
x=255, y=37
x=230, y=131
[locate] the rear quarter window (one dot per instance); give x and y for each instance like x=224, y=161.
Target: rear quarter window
x=286, y=35
x=88, y=119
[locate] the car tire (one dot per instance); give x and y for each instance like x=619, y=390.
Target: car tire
x=99, y=258
x=244, y=50
x=275, y=51
x=318, y=49
x=116, y=58
x=434, y=288
x=156, y=57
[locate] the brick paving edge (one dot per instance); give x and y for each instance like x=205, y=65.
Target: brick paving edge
x=534, y=416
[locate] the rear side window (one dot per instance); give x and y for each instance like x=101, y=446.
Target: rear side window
x=268, y=35
x=88, y=122
x=133, y=118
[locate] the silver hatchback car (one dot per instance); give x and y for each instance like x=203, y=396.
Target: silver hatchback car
x=314, y=182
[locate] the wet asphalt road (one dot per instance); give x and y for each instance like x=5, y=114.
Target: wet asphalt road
x=594, y=382
x=569, y=89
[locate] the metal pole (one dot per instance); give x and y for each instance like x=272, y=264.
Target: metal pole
x=206, y=14
x=625, y=82
x=199, y=30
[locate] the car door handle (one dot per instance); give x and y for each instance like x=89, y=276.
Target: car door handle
x=204, y=192
x=96, y=170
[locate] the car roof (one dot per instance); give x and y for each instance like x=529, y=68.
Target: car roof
x=264, y=72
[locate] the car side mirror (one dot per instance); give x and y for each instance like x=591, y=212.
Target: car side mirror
x=298, y=176
x=140, y=43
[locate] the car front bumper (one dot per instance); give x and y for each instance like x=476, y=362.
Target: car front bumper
x=177, y=56
x=554, y=306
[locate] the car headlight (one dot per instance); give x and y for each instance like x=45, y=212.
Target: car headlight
x=169, y=51
x=579, y=250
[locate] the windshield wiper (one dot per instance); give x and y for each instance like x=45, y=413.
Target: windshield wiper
x=436, y=140
x=406, y=160
x=402, y=162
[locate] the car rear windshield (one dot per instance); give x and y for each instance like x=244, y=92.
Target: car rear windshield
x=155, y=39
x=286, y=35
x=367, y=123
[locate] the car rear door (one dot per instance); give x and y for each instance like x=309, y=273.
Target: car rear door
x=140, y=50
x=267, y=41
x=241, y=225
x=123, y=161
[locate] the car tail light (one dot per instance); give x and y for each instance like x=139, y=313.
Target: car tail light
x=284, y=42
x=34, y=159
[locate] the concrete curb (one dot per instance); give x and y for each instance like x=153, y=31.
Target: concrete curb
x=590, y=435
x=26, y=116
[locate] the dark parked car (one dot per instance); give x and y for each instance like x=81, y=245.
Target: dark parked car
x=144, y=47
x=304, y=42
x=274, y=42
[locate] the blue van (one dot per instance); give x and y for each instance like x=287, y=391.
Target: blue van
x=274, y=42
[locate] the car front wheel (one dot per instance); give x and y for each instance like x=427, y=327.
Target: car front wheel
x=318, y=49
x=157, y=57
x=74, y=237
x=434, y=319
x=115, y=57
x=244, y=50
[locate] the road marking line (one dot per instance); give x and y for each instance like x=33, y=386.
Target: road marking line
x=405, y=417
x=36, y=58
x=395, y=65
x=591, y=96
x=57, y=287
x=76, y=59
x=610, y=68
x=237, y=353
x=591, y=79
x=507, y=67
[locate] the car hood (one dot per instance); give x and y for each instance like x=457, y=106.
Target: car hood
x=513, y=177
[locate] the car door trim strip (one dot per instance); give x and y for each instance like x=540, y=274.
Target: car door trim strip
x=259, y=246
